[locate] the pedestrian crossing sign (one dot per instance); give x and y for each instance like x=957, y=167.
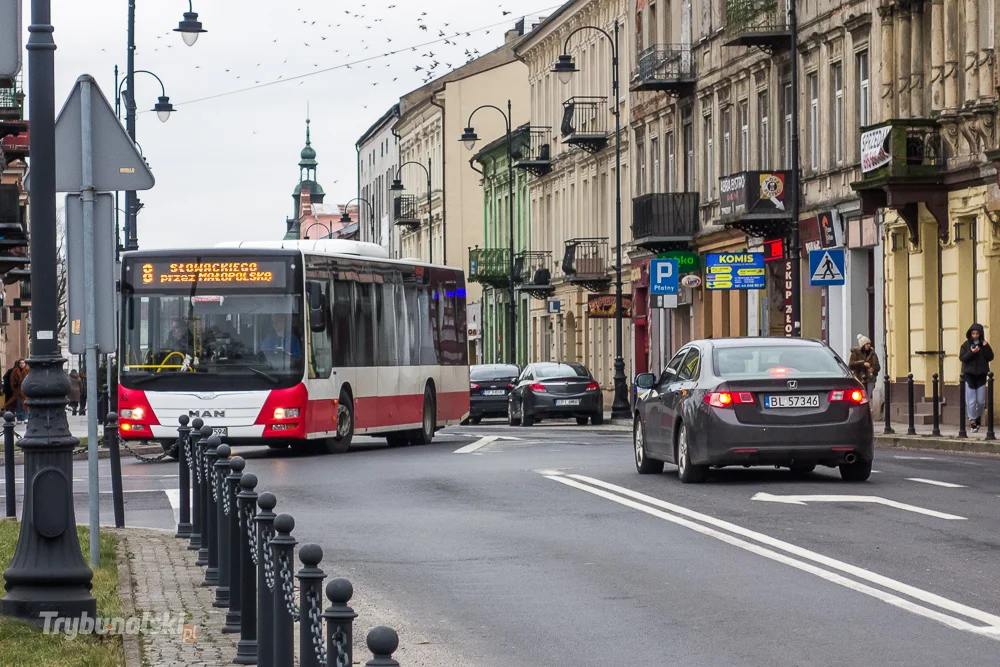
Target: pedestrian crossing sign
x=826, y=266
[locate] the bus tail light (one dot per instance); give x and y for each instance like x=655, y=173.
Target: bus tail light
x=135, y=416
x=284, y=412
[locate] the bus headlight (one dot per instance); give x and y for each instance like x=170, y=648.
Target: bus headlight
x=133, y=413
x=286, y=413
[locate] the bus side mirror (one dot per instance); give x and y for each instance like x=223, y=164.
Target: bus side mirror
x=317, y=306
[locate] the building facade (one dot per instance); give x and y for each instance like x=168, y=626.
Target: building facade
x=15, y=299
x=378, y=162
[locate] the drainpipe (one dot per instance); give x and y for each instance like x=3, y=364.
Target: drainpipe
x=444, y=165
x=395, y=169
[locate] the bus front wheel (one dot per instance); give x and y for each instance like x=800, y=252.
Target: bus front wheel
x=428, y=425
x=345, y=426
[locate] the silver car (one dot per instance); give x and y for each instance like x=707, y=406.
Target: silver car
x=753, y=401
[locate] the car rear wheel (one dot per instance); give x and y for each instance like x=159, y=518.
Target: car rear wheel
x=597, y=418
x=859, y=471
x=582, y=421
x=526, y=419
x=643, y=464
x=687, y=472
x=511, y=419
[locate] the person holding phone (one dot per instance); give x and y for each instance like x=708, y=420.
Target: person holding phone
x=975, y=355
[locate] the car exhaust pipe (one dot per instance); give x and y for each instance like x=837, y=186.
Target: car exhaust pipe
x=851, y=458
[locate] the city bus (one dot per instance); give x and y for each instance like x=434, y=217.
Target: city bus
x=291, y=342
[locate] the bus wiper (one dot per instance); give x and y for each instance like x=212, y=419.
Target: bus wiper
x=267, y=376
x=150, y=378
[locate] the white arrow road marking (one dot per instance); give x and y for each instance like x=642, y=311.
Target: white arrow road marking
x=478, y=444
x=675, y=514
x=935, y=482
x=913, y=458
x=802, y=500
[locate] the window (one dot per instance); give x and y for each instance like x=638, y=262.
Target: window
x=640, y=146
x=688, y=149
x=786, y=135
x=837, y=77
x=691, y=368
x=864, y=91
x=744, y=136
x=813, y=121
x=709, y=153
x=727, y=142
x=763, y=132
x=654, y=152
x=673, y=366
x=670, y=162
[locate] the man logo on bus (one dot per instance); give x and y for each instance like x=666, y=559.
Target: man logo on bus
x=206, y=413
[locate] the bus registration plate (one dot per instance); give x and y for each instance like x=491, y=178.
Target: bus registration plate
x=221, y=431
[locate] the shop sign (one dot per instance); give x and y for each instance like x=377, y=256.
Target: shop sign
x=734, y=270
x=774, y=250
x=602, y=306
x=786, y=309
x=762, y=194
x=733, y=195
x=827, y=234
x=873, y=148
x=687, y=261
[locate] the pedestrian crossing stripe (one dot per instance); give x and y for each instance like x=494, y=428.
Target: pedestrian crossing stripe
x=827, y=270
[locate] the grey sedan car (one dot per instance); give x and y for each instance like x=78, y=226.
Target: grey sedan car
x=753, y=401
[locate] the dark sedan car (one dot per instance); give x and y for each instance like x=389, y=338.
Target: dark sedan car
x=753, y=401
x=489, y=386
x=555, y=390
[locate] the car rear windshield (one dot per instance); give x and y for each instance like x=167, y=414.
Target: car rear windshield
x=776, y=361
x=543, y=371
x=493, y=372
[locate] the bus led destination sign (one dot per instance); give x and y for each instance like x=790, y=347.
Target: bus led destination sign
x=735, y=270
x=219, y=273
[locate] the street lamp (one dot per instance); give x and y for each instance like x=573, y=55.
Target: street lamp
x=564, y=68
x=47, y=573
x=163, y=107
x=190, y=28
x=469, y=138
x=305, y=235
x=397, y=187
x=345, y=219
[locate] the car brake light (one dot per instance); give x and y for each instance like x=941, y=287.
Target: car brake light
x=537, y=387
x=855, y=396
x=510, y=386
x=725, y=399
x=473, y=385
x=744, y=397
x=593, y=386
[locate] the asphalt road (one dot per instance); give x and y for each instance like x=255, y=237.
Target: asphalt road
x=549, y=549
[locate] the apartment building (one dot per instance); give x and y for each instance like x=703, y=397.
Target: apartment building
x=572, y=189
x=378, y=162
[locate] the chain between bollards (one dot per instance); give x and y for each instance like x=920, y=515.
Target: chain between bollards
x=210, y=481
x=909, y=399
x=283, y=595
x=221, y=468
x=231, y=489
x=312, y=649
x=339, y=624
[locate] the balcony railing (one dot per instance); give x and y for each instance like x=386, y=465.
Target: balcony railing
x=535, y=151
x=406, y=211
x=762, y=23
x=533, y=272
x=11, y=100
x=585, y=123
x=490, y=266
x=585, y=263
x=665, y=221
x=665, y=67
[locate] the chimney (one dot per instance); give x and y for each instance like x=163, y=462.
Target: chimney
x=515, y=33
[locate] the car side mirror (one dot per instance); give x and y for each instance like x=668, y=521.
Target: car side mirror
x=645, y=381
x=317, y=306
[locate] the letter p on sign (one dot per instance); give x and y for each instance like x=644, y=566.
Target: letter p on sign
x=663, y=276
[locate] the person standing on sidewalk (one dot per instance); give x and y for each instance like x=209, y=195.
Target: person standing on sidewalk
x=75, y=391
x=864, y=363
x=975, y=355
x=83, y=392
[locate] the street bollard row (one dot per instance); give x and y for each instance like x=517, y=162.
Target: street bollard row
x=936, y=399
x=248, y=553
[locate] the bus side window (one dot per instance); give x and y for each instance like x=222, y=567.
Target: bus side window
x=413, y=320
x=364, y=325
x=343, y=353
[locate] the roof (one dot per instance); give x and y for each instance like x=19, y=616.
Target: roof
x=314, y=188
x=393, y=112
x=528, y=39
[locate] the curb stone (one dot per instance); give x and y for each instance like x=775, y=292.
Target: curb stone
x=957, y=445
x=133, y=655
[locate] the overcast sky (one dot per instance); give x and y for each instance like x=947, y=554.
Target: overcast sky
x=225, y=167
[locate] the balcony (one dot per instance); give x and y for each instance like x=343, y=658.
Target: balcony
x=535, y=156
x=668, y=221
x=585, y=263
x=585, y=123
x=757, y=203
x=11, y=100
x=902, y=165
x=759, y=23
x=406, y=211
x=533, y=273
x=665, y=67
x=490, y=266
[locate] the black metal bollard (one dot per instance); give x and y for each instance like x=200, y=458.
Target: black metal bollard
x=962, y=409
x=201, y=451
x=936, y=430
x=909, y=388
x=231, y=490
x=115, y=459
x=285, y=613
x=887, y=403
x=382, y=642
x=184, y=527
x=990, y=433
x=221, y=465
x=194, y=477
x=312, y=649
x=10, y=501
x=264, y=522
x=211, y=516
x=246, y=501
x=339, y=623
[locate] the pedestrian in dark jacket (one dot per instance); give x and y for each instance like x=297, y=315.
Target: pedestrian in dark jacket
x=975, y=355
x=864, y=363
x=75, y=391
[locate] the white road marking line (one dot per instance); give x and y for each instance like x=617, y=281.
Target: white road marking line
x=174, y=498
x=802, y=500
x=901, y=457
x=922, y=595
x=948, y=485
x=478, y=444
x=876, y=472
x=833, y=577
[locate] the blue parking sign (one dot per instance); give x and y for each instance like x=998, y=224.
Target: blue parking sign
x=663, y=276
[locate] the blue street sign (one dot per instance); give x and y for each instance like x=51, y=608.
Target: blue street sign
x=554, y=306
x=735, y=270
x=826, y=267
x=663, y=276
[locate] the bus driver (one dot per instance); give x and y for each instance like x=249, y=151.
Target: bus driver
x=280, y=340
